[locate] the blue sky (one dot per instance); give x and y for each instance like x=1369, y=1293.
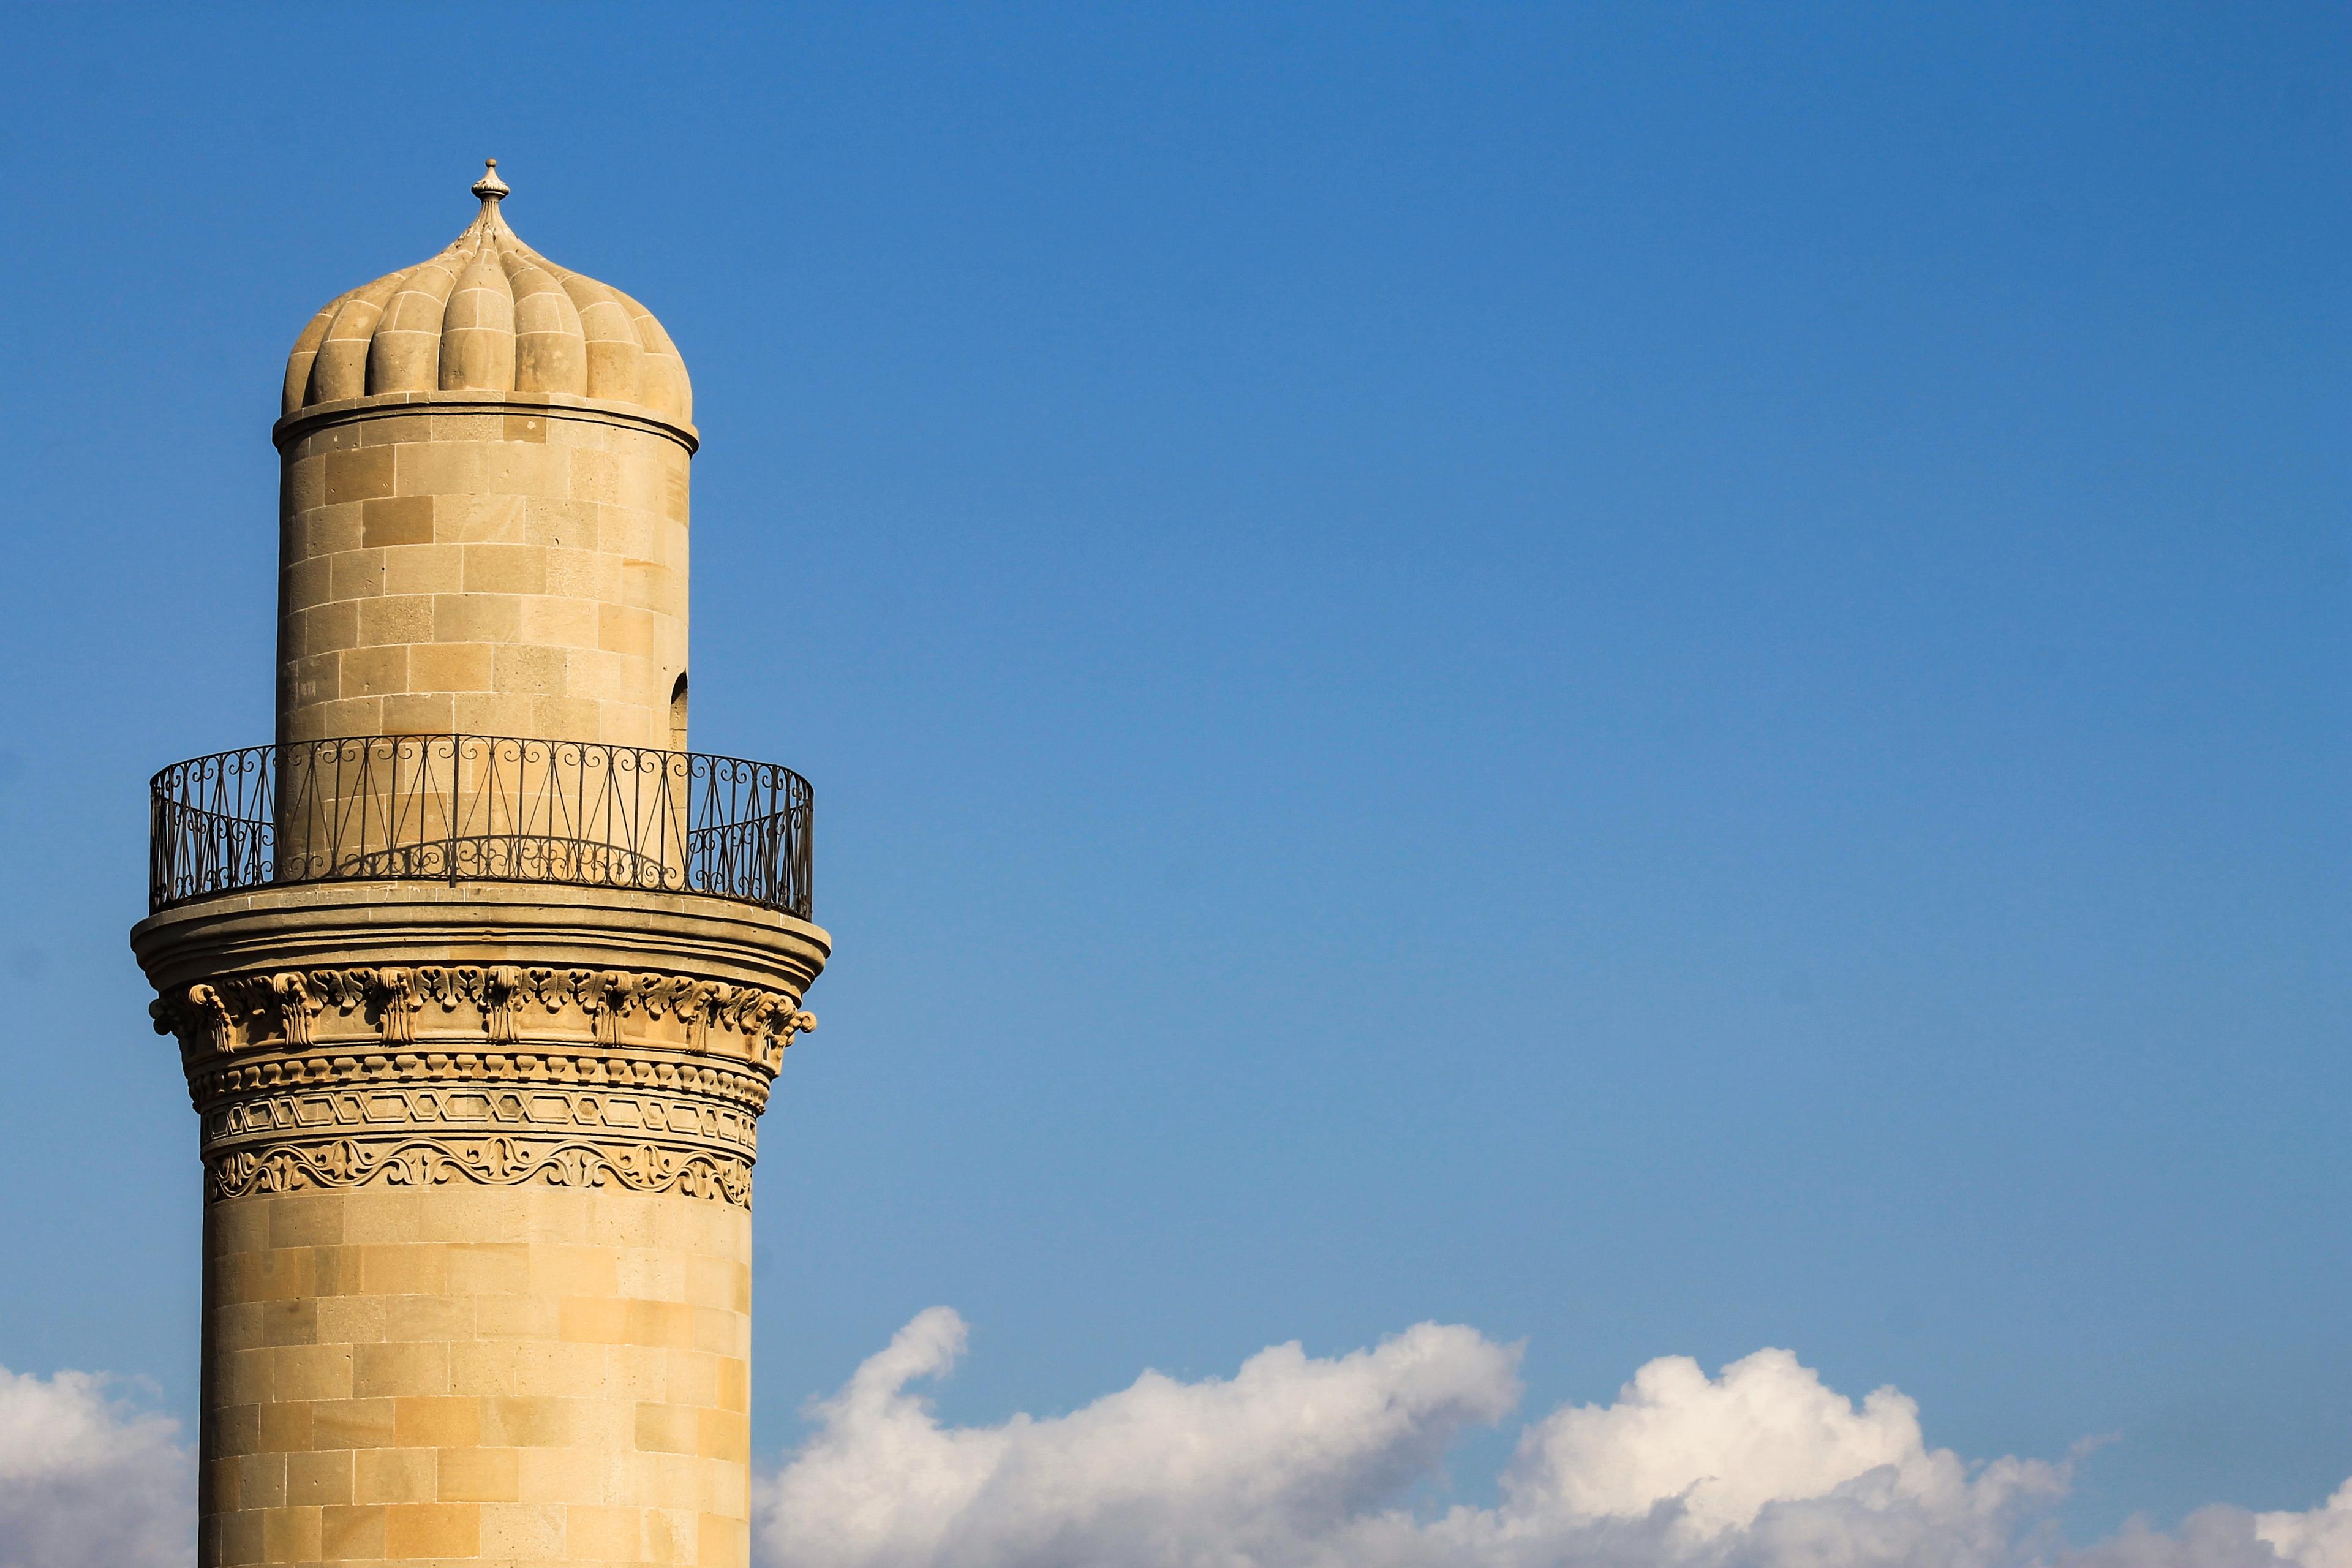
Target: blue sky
x=1663, y=680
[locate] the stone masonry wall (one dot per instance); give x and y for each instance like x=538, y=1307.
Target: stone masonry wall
x=520, y=572
x=528, y=1376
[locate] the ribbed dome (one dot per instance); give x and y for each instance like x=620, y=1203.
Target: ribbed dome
x=490, y=315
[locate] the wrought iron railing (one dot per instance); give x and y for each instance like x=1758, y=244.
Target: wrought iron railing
x=461, y=808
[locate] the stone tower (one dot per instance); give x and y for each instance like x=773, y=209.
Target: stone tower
x=479, y=977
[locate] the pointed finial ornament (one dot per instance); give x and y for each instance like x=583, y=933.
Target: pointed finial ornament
x=489, y=188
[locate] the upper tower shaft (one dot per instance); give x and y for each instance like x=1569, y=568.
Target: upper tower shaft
x=483, y=506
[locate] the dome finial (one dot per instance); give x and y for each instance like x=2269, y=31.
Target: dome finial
x=489, y=188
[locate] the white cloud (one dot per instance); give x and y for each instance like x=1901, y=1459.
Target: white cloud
x=1766, y=1431
x=1300, y=1462
x=2320, y=1539
x=84, y=1480
x=1294, y=1462
x=1286, y=1453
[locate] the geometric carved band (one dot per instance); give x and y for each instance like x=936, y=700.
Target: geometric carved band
x=616, y=1073
x=491, y=1162
x=480, y=1110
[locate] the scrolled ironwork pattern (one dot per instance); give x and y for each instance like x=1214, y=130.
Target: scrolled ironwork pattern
x=485, y=808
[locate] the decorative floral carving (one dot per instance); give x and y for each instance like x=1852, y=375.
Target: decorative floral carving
x=446, y=986
x=208, y=1011
x=346, y=989
x=548, y=987
x=235, y=1013
x=398, y=1005
x=500, y=990
x=298, y=1004
x=491, y=1162
x=606, y=996
x=656, y=993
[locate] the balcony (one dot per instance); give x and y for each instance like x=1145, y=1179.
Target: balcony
x=481, y=808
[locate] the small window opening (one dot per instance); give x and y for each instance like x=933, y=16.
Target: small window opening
x=677, y=714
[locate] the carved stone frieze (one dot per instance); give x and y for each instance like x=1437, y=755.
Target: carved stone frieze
x=428, y=1075
x=429, y=1161
x=670, y=1116
x=721, y=1081
x=298, y=1004
x=403, y=1007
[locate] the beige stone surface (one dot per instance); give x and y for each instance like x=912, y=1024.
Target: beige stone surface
x=478, y=1156
x=525, y=1374
x=331, y=925
x=488, y=314
x=448, y=569
x=483, y=514
x=478, y=1242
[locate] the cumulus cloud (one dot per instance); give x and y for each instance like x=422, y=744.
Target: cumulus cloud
x=2320, y=1539
x=1285, y=1453
x=1296, y=1461
x=1301, y=1462
x=1767, y=1430
x=84, y=1478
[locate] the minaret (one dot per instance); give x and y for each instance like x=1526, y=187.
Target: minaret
x=479, y=977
